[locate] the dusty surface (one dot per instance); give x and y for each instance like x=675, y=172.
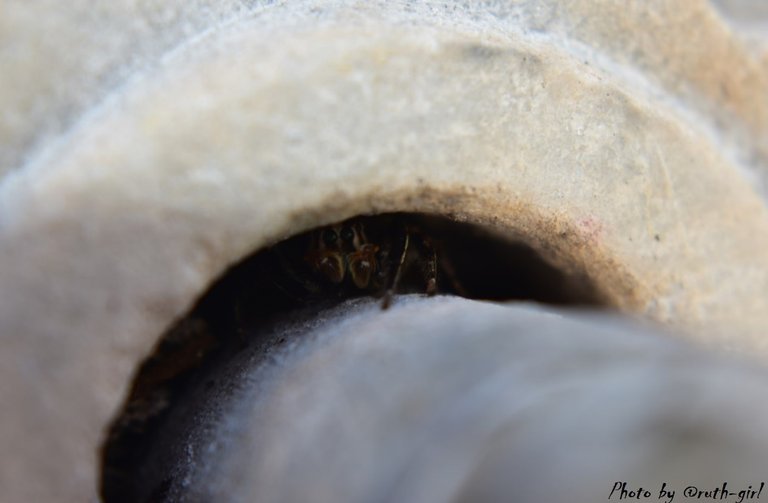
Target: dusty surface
x=147, y=146
x=447, y=399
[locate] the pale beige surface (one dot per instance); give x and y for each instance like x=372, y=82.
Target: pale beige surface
x=58, y=61
x=626, y=141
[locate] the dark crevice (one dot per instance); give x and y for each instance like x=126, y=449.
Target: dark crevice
x=469, y=260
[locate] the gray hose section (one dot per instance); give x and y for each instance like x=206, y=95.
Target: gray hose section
x=447, y=399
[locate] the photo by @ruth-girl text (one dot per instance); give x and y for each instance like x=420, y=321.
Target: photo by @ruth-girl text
x=623, y=491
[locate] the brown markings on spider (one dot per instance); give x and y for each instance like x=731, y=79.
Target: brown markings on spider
x=377, y=256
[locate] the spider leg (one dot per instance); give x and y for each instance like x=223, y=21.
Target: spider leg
x=385, y=303
x=430, y=267
x=450, y=273
x=278, y=284
x=284, y=264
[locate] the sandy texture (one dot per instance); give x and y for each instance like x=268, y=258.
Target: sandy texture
x=447, y=399
x=148, y=145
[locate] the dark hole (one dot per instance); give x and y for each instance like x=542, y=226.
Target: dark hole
x=468, y=260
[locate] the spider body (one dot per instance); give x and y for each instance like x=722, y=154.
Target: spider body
x=342, y=252
x=378, y=256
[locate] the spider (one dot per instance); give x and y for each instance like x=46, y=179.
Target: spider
x=369, y=255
